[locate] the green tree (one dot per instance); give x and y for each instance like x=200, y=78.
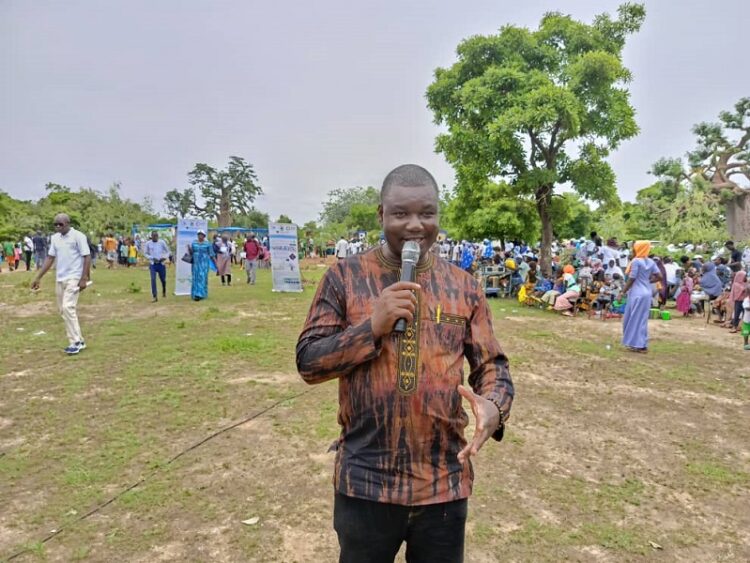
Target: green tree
x=310, y=229
x=179, y=203
x=721, y=163
x=571, y=216
x=681, y=206
x=284, y=219
x=338, y=205
x=539, y=108
x=363, y=217
x=252, y=219
x=217, y=194
x=90, y=211
x=493, y=211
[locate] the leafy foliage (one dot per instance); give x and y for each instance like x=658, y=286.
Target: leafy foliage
x=254, y=218
x=340, y=203
x=494, y=212
x=93, y=212
x=538, y=109
x=217, y=194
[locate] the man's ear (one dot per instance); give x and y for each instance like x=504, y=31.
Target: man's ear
x=380, y=214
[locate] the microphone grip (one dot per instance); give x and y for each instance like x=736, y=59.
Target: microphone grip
x=408, y=273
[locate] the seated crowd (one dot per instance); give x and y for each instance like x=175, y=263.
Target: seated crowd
x=589, y=276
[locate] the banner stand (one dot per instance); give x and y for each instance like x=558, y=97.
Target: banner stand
x=187, y=232
x=282, y=239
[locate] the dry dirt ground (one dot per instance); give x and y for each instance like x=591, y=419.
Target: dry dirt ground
x=609, y=456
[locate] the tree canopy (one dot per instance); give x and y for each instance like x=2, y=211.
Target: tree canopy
x=91, y=211
x=339, y=203
x=217, y=194
x=720, y=164
x=538, y=109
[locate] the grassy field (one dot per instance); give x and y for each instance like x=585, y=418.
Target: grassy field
x=609, y=456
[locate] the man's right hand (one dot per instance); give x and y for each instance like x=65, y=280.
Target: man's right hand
x=396, y=302
x=35, y=285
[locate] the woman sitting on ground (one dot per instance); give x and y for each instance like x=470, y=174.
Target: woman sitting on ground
x=551, y=295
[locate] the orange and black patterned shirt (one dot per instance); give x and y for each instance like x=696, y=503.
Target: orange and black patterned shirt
x=402, y=421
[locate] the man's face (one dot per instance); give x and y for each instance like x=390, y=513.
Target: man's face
x=154, y=236
x=409, y=213
x=62, y=225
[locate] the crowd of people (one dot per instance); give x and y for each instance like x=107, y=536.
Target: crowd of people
x=587, y=274
x=591, y=275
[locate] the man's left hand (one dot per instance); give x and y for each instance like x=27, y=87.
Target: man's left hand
x=82, y=284
x=487, y=421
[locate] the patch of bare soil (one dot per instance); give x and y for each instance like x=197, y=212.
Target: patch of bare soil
x=597, y=463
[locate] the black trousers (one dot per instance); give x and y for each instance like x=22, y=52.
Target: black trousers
x=737, y=313
x=372, y=532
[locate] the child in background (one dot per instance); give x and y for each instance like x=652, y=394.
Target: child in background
x=684, y=303
x=17, y=255
x=746, y=317
x=132, y=254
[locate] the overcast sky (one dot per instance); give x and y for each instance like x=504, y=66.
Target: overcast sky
x=317, y=95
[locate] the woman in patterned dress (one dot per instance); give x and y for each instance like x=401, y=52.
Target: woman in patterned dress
x=202, y=252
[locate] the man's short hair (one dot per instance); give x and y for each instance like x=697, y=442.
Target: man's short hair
x=729, y=243
x=408, y=176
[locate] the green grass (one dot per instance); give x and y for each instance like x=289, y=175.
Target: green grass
x=158, y=378
x=717, y=474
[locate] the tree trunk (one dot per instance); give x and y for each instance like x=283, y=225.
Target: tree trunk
x=738, y=216
x=543, y=197
x=225, y=212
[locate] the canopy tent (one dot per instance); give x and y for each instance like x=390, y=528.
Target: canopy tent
x=258, y=231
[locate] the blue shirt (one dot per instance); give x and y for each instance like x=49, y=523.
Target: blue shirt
x=156, y=251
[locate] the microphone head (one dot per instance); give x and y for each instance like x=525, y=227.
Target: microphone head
x=410, y=252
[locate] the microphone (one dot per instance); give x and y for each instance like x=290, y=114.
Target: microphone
x=409, y=259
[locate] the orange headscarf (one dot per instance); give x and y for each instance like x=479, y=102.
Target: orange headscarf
x=641, y=249
x=568, y=269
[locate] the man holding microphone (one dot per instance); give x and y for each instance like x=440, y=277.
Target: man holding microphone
x=402, y=470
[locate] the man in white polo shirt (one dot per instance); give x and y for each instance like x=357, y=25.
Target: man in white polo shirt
x=70, y=250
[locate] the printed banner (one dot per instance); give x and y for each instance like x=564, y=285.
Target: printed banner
x=284, y=257
x=187, y=232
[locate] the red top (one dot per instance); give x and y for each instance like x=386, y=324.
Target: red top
x=252, y=249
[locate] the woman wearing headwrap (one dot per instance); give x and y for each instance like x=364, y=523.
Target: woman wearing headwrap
x=710, y=282
x=567, y=300
x=736, y=295
x=642, y=271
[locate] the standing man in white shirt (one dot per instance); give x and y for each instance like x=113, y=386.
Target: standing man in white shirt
x=342, y=247
x=28, y=250
x=157, y=253
x=70, y=250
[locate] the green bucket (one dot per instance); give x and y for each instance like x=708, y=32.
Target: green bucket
x=666, y=315
x=654, y=314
